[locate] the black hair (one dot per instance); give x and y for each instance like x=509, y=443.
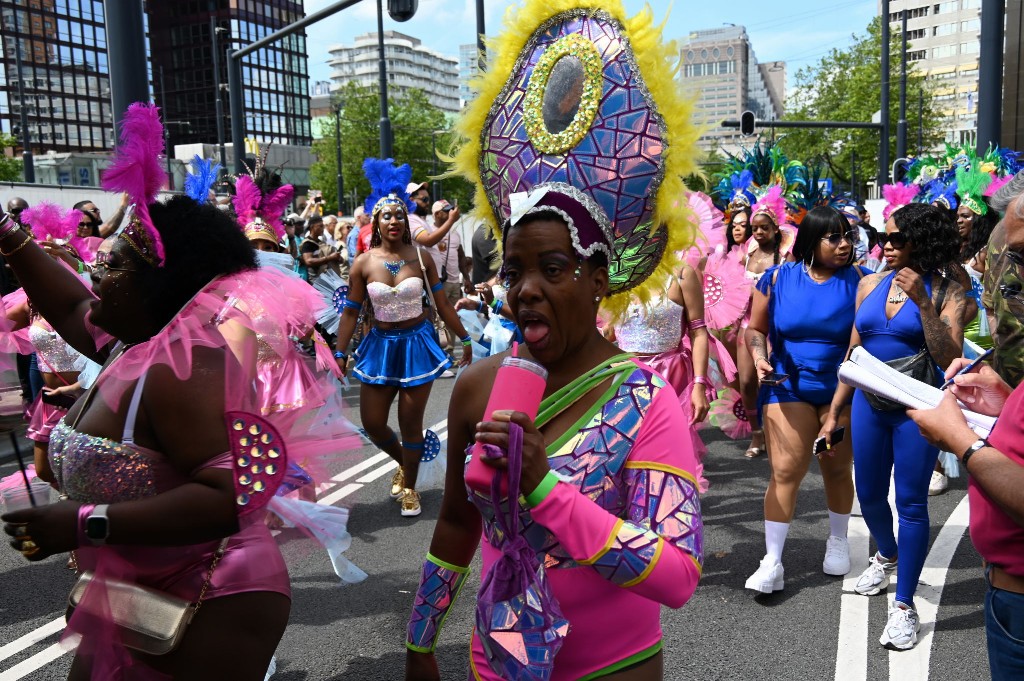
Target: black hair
x=934, y=235
x=819, y=223
x=92, y=218
x=776, y=243
x=375, y=238
x=201, y=243
x=730, y=243
x=981, y=230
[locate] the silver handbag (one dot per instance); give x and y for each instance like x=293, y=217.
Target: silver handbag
x=148, y=620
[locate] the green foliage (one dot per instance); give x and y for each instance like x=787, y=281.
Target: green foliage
x=845, y=86
x=418, y=128
x=710, y=163
x=10, y=167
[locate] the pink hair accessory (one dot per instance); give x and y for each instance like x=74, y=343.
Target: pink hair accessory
x=897, y=196
x=771, y=204
x=137, y=172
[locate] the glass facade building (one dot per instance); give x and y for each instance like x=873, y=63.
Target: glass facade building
x=276, y=78
x=63, y=82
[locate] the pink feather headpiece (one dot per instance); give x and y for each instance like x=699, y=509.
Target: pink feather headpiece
x=771, y=204
x=137, y=171
x=997, y=183
x=49, y=222
x=896, y=196
x=260, y=201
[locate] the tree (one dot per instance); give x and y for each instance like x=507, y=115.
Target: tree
x=845, y=86
x=10, y=167
x=419, y=128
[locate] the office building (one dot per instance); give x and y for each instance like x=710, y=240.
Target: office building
x=469, y=67
x=63, y=81
x=943, y=43
x=409, y=65
x=276, y=77
x=1013, y=78
x=724, y=76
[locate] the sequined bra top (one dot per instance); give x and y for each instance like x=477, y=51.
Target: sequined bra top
x=396, y=303
x=98, y=470
x=653, y=330
x=54, y=354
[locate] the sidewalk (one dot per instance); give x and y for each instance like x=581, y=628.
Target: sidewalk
x=11, y=419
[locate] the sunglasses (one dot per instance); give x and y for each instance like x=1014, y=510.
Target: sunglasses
x=896, y=240
x=835, y=239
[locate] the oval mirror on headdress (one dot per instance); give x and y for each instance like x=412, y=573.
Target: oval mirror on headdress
x=563, y=94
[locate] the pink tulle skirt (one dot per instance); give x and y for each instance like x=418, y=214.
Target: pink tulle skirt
x=43, y=417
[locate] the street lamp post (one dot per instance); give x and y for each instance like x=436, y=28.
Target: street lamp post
x=481, y=48
x=901, y=124
x=337, y=142
x=385, y=122
x=883, y=150
x=218, y=102
x=26, y=136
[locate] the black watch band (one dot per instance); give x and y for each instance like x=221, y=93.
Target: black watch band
x=975, y=446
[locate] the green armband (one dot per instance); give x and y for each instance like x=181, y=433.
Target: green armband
x=538, y=495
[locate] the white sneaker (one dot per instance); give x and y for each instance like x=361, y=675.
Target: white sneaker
x=901, y=629
x=837, y=556
x=447, y=373
x=768, y=577
x=938, y=484
x=875, y=578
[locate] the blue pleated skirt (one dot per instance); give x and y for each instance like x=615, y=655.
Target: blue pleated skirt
x=401, y=357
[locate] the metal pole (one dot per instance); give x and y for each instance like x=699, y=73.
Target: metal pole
x=337, y=142
x=167, y=131
x=436, y=185
x=920, y=121
x=385, y=122
x=237, y=110
x=126, y=49
x=883, y=150
x=901, y=124
x=853, y=175
x=481, y=48
x=28, y=165
x=218, y=102
x=990, y=73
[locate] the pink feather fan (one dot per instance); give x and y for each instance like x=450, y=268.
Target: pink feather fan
x=896, y=196
x=137, y=170
x=49, y=222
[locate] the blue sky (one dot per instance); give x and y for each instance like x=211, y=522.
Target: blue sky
x=796, y=31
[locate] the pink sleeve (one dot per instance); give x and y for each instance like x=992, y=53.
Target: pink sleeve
x=657, y=549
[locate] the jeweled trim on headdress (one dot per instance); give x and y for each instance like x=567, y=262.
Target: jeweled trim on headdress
x=137, y=171
x=589, y=227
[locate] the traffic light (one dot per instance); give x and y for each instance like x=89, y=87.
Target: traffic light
x=402, y=10
x=747, y=123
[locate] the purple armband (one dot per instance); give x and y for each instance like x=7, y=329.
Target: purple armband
x=440, y=585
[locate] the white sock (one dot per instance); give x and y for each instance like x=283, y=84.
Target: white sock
x=839, y=524
x=775, y=538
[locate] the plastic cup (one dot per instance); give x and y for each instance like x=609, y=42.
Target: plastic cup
x=17, y=498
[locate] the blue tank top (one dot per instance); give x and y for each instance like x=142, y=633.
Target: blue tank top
x=809, y=322
x=887, y=339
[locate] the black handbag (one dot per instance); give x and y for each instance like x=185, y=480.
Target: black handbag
x=920, y=367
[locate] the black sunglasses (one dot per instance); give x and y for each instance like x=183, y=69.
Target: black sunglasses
x=896, y=240
x=835, y=239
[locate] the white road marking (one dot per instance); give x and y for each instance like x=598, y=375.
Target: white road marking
x=31, y=638
x=852, y=650
x=40, y=659
x=360, y=467
x=378, y=472
x=913, y=664
x=337, y=495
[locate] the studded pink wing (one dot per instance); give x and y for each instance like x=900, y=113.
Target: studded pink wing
x=728, y=414
x=726, y=291
x=258, y=459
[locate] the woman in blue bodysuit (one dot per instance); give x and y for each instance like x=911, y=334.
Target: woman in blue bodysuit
x=899, y=314
x=805, y=309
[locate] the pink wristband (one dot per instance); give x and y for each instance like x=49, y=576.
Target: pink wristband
x=697, y=324
x=84, y=511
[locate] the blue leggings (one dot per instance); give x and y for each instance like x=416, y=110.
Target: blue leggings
x=884, y=443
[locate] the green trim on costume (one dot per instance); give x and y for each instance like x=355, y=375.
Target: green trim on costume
x=623, y=370
x=547, y=483
x=635, y=658
x=446, y=565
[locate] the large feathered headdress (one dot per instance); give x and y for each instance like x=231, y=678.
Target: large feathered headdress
x=896, y=196
x=137, y=172
x=387, y=185
x=260, y=200
x=199, y=182
x=771, y=204
x=579, y=95
x=970, y=187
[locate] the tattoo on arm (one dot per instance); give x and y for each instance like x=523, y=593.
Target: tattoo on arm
x=757, y=347
x=940, y=330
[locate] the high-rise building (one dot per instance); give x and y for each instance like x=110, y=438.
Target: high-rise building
x=1013, y=84
x=469, y=67
x=722, y=72
x=276, y=78
x=943, y=40
x=409, y=65
x=62, y=79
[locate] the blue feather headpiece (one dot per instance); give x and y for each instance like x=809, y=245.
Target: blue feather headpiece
x=387, y=185
x=938, y=192
x=201, y=179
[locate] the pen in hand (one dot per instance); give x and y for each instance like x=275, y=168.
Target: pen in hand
x=968, y=369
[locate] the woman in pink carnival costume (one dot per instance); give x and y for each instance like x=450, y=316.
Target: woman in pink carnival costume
x=165, y=463
x=611, y=529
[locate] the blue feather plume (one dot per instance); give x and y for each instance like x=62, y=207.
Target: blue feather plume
x=385, y=179
x=200, y=180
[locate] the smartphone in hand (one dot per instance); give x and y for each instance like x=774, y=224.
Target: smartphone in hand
x=821, y=445
x=774, y=378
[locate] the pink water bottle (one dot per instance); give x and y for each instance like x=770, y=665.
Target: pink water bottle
x=518, y=386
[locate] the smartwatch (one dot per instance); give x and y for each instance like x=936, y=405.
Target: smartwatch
x=97, y=525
